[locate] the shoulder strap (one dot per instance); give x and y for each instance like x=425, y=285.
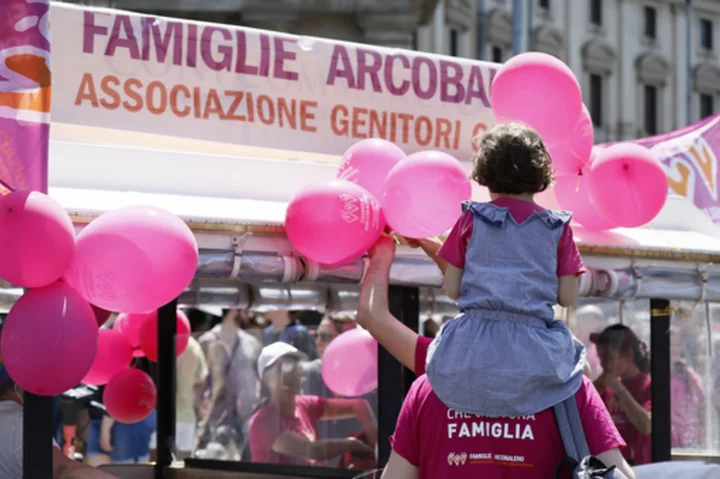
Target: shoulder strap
x=571, y=430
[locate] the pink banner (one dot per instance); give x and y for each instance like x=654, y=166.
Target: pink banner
x=24, y=94
x=690, y=156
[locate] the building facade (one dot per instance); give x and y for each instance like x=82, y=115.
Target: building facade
x=645, y=66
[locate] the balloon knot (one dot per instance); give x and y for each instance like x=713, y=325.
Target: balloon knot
x=626, y=167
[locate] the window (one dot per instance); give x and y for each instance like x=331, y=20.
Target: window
x=596, y=97
x=414, y=40
x=497, y=55
x=707, y=105
x=544, y=4
x=650, y=22
x=453, y=42
x=706, y=34
x=651, y=109
x=596, y=12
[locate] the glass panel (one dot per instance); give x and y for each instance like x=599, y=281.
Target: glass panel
x=694, y=379
x=264, y=399
x=620, y=361
x=596, y=99
x=650, y=22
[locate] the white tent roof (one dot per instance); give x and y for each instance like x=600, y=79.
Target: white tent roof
x=227, y=186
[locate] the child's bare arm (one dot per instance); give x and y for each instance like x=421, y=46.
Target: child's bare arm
x=567, y=290
x=453, y=280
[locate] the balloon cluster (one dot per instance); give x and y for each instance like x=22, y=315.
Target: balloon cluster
x=134, y=259
x=624, y=185
x=377, y=186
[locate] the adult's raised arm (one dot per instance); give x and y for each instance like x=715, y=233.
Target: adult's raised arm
x=373, y=309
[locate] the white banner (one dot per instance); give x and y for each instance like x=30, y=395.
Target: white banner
x=125, y=71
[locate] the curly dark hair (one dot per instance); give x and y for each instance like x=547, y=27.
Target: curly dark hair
x=512, y=160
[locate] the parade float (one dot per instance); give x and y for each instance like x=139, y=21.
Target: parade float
x=225, y=127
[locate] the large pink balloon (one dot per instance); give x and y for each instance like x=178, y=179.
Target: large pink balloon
x=628, y=184
x=572, y=155
x=37, y=239
x=573, y=194
x=49, y=340
x=149, y=335
x=368, y=162
x=130, y=396
x=539, y=90
x=422, y=195
x=114, y=355
x=350, y=364
x=332, y=222
x=129, y=326
x=134, y=259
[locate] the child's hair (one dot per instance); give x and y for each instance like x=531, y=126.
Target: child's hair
x=512, y=160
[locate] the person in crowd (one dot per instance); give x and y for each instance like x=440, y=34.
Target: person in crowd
x=282, y=327
x=192, y=371
x=255, y=325
x=687, y=396
x=626, y=389
x=494, y=250
x=232, y=389
x=284, y=429
x=432, y=440
x=430, y=327
x=329, y=329
x=588, y=320
x=11, y=439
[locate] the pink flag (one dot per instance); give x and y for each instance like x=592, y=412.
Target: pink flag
x=24, y=94
x=690, y=156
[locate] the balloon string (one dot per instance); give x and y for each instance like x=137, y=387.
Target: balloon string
x=584, y=161
x=577, y=186
x=3, y=184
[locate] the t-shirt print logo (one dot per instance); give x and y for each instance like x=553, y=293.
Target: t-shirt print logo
x=457, y=459
x=350, y=208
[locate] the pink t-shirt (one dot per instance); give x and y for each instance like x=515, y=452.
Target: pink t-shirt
x=688, y=397
x=442, y=442
x=266, y=425
x=639, y=446
x=540, y=455
x=453, y=250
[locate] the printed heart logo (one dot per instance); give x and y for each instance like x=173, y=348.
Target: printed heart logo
x=457, y=459
x=451, y=457
x=463, y=457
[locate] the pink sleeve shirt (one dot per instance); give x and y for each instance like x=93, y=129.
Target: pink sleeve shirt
x=453, y=250
x=442, y=442
x=267, y=425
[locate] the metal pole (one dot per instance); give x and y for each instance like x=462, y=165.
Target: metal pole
x=517, y=27
x=167, y=330
x=688, y=61
x=660, y=374
x=530, y=13
x=480, y=30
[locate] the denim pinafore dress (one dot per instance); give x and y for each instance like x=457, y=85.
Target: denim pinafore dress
x=505, y=355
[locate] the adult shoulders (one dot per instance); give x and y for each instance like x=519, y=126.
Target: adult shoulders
x=600, y=431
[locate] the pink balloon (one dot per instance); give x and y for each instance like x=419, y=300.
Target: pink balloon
x=572, y=155
x=539, y=90
x=628, y=184
x=129, y=326
x=149, y=335
x=350, y=364
x=573, y=194
x=130, y=396
x=368, y=162
x=37, y=239
x=49, y=340
x=333, y=222
x=134, y=259
x=114, y=355
x=422, y=195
